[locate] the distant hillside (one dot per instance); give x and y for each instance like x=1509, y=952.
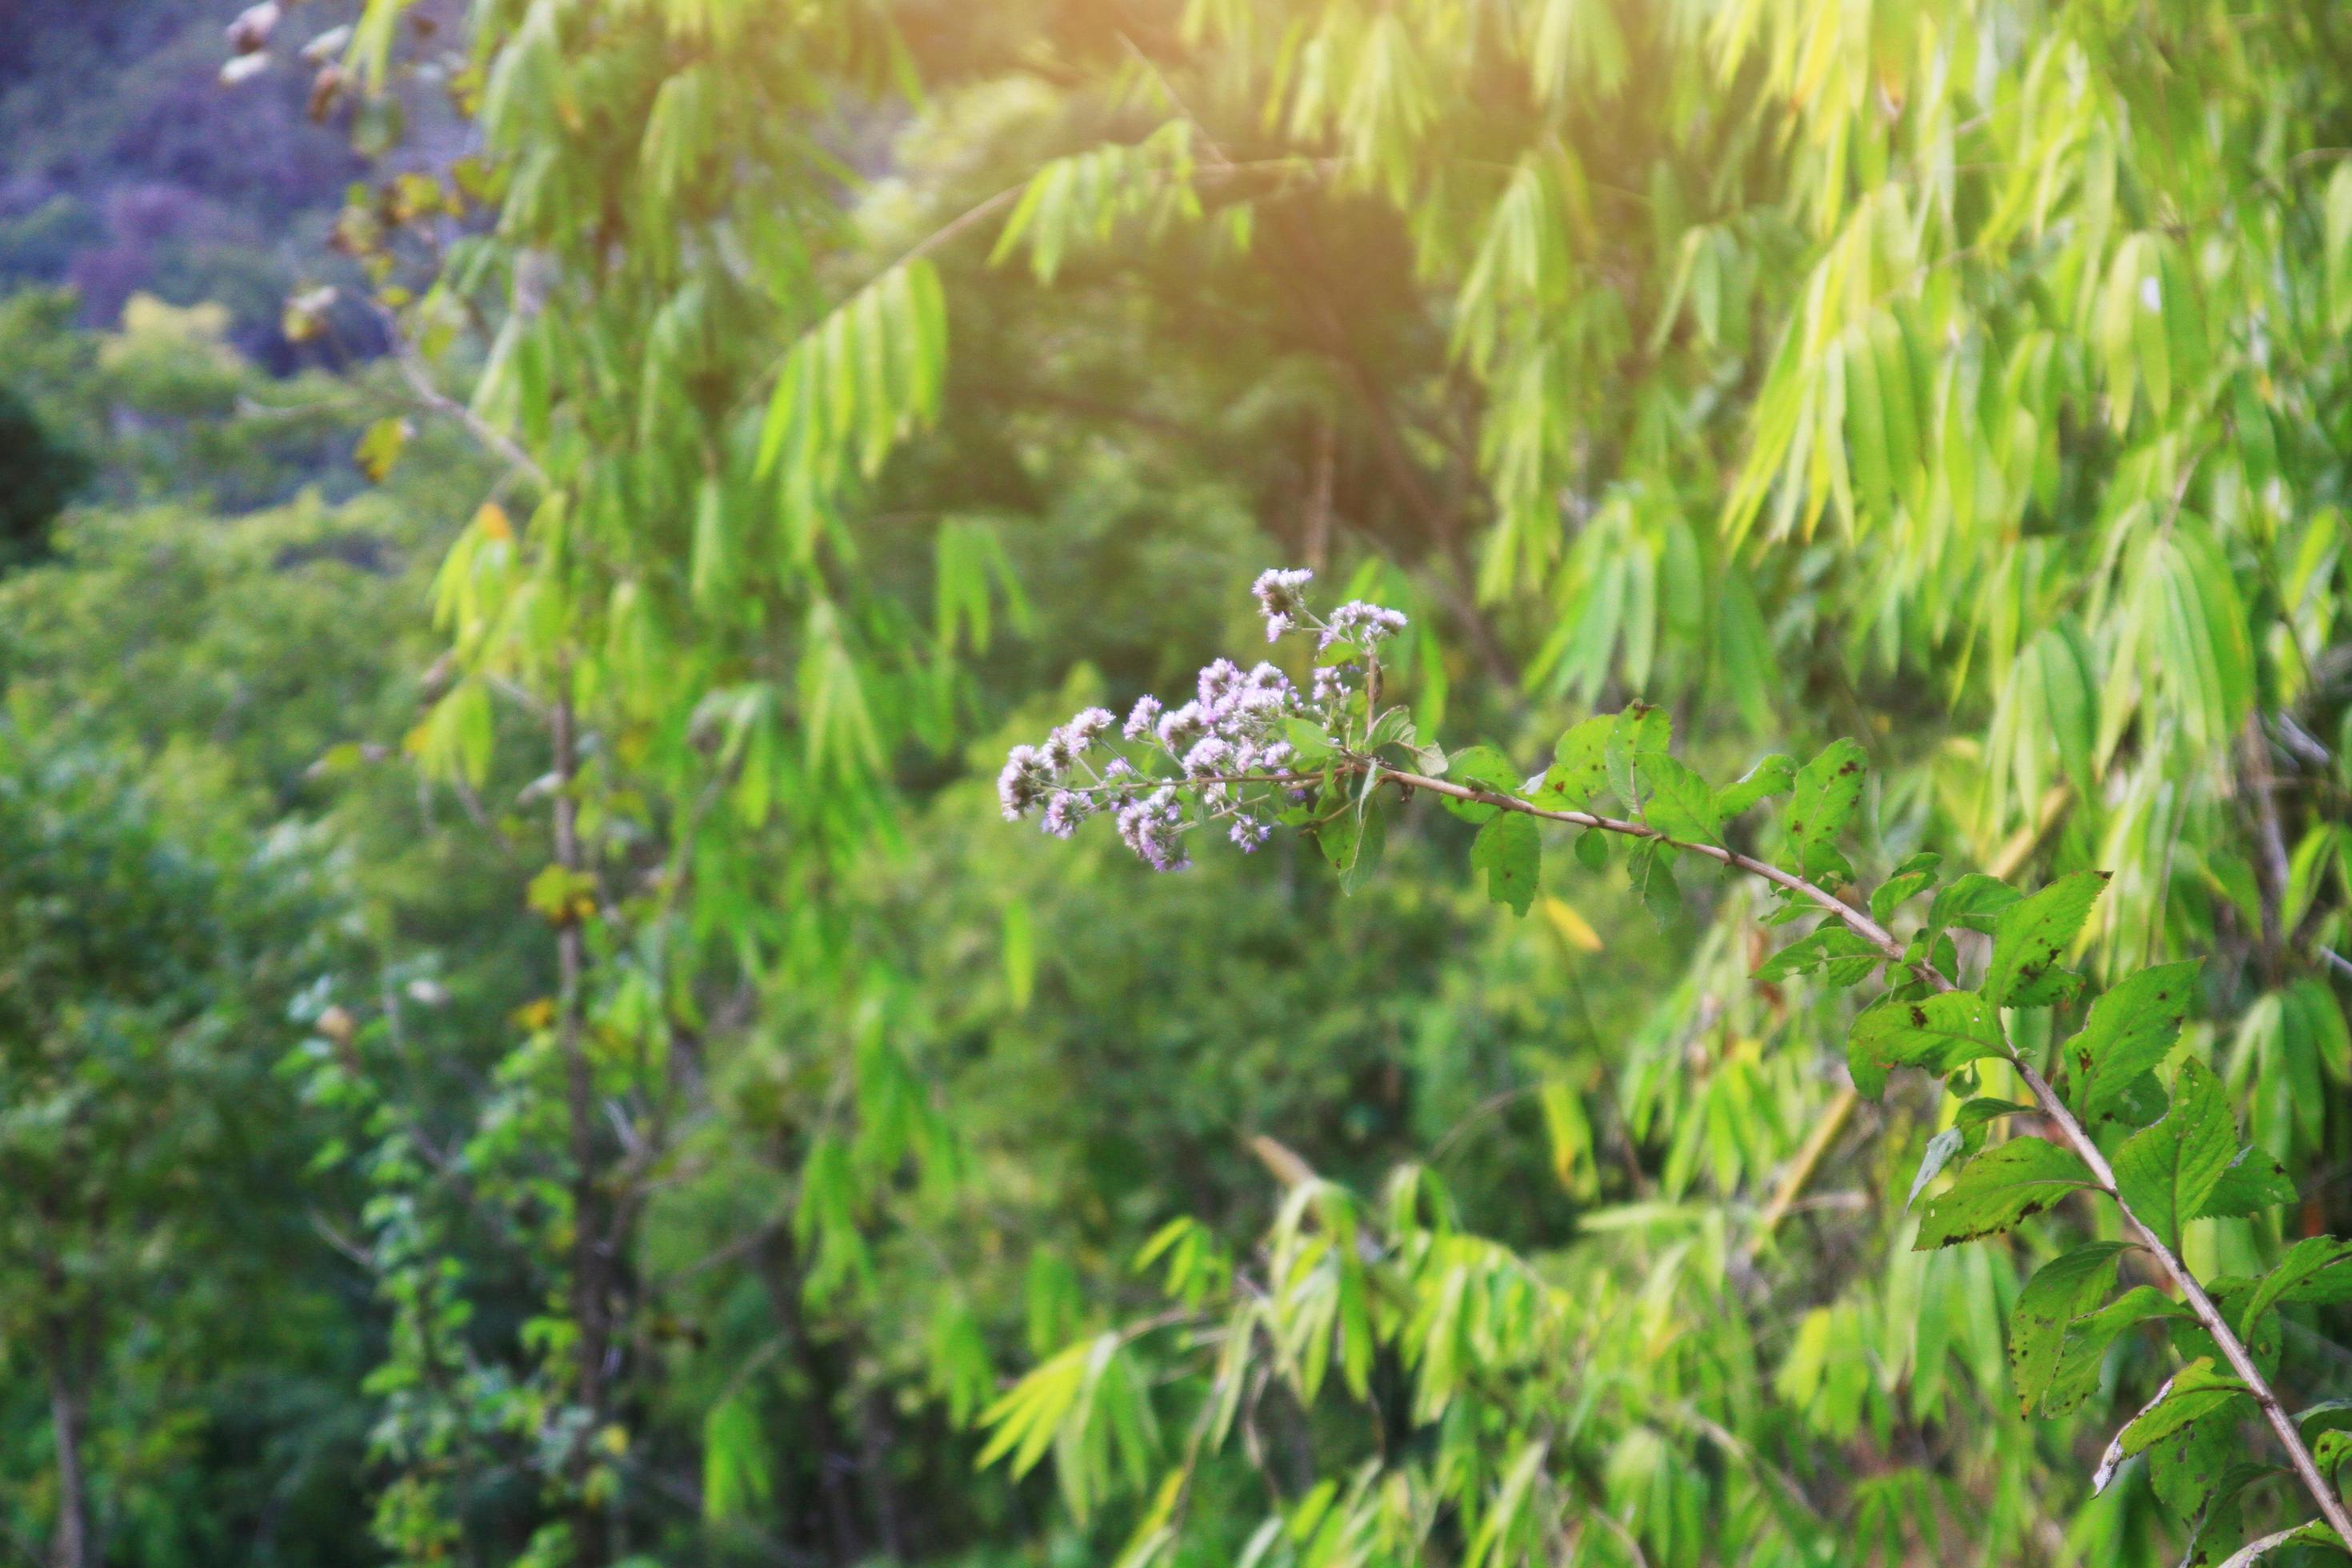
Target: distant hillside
x=127, y=165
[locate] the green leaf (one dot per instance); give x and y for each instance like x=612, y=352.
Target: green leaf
x=2317, y=1269
x=1354, y=840
x=2337, y=251
x=2198, y=1473
x=2263, y=1336
x=2196, y=1390
x=1846, y=956
x=1776, y=774
x=1982, y=1111
x=380, y=447
x=1592, y=849
x=2312, y=1534
x=1681, y=804
x=1973, y=904
x=1479, y=767
x=1999, y=1189
x=1641, y=733
x=1578, y=775
x=1650, y=866
x=2060, y=1292
x=1510, y=851
x=1932, y=1161
x=736, y=1478
x=2166, y=1172
x=1907, y=881
x=2253, y=1182
x=1936, y=1033
x=2129, y=1031
x=2088, y=1336
x=2031, y=936
x=1828, y=789
x=1020, y=955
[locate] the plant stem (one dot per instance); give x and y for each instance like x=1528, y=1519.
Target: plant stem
x=2053, y=1109
x=2004, y=864
x=588, y=1293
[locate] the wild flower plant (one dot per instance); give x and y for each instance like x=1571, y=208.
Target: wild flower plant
x=1249, y=751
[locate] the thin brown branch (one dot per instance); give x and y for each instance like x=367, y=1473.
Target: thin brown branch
x=2071, y=1130
x=2006, y=860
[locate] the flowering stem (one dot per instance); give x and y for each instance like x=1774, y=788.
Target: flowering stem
x=2053, y=1110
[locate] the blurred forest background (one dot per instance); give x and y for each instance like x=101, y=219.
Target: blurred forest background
x=525, y=528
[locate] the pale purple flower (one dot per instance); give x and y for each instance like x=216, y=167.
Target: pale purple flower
x=1208, y=756
x=1334, y=683
x=1227, y=733
x=1218, y=682
x=1153, y=828
x=1022, y=783
x=1362, y=624
x=1185, y=725
x=1281, y=598
x=1089, y=724
x=1142, y=718
x=1063, y=812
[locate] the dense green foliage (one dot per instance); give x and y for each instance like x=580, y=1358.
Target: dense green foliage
x=528, y=1042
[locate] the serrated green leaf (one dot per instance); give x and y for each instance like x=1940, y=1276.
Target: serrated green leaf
x=1650, y=866
x=1974, y=902
x=1681, y=804
x=1578, y=775
x=1592, y=849
x=1510, y=849
x=2317, y=1269
x=1936, y=1033
x=2165, y=1172
x=2253, y=1182
x=1479, y=767
x=1827, y=790
x=2198, y=1473
x=2088, y=1336
x=2196, y=1390
x=1981, y=1112
x=2312, y=1534
x=1999, y=1189
x=1907, y=881
x=1843, y=955
x=2031, y=936
x=1641, y=732
x=2060, y=1292
x=2129, y=1031
x=1932, y=1161
x=1354, y=840
x=1775, y=774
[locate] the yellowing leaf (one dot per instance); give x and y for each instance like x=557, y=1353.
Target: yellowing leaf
x=1571, y=926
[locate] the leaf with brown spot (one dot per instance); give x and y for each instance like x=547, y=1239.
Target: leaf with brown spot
x=1997, y=1189
x=2031, y=936
x=2059, y=1292
x=2130, y=1030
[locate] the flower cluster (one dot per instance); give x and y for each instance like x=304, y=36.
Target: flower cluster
x=1225, y=746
